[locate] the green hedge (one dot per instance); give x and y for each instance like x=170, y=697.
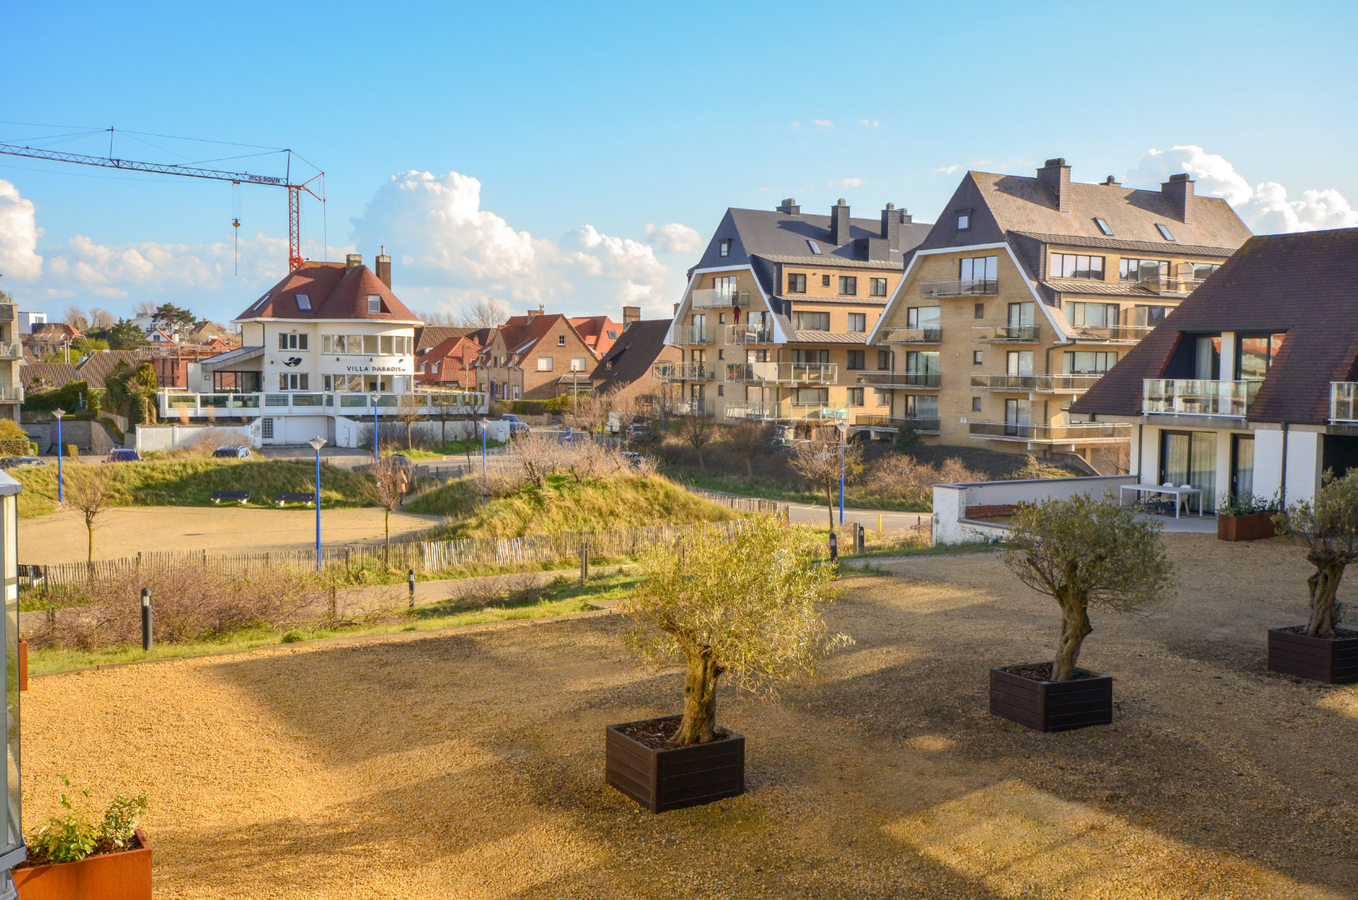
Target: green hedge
x=541, y=407
x=66, y=398
x=14, y=447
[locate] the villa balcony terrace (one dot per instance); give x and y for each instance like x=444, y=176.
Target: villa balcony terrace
x=1042, y=384
x=931, y=335
x=1005, y=334
x=959, y=287
x=886, y=380
x=1195, y=397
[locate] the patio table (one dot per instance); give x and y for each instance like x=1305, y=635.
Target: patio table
x=1180, y=494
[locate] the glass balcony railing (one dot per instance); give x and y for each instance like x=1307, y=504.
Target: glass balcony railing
x=749, y=334
x=1078, y=433
x=673, y=371
x=784, y=373
x=1193, y=397
x=921, y=424
x=274, y=404
x=819, y=413
x=960, y=287
x=694, y=334
x=931, y=334
x=1056, y=384
x=711, y=298
x=756, y=411
x=694, y=408
x=1343, y=401
x=1005, y=334
x=898, y=379
x=1113, y=334
x=12, y=393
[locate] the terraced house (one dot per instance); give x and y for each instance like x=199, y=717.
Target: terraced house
x=774, y=322
x=1026, y=291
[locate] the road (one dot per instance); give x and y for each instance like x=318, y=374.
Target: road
x=803, y=514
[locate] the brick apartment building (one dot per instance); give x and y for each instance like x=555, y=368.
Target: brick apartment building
x=539, y=356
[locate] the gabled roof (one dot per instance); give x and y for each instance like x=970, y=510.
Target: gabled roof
x=763, y=232
x=53, y=375
x=335, y=291
x=595, y=331
x=638, y=346
x=1303, y=284
x=97, y=366
x=427, y=336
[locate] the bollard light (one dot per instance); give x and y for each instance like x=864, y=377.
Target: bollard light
x=146, y=640
x=412, y=589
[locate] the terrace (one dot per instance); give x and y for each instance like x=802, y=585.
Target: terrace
x=928, y=335
x=175, y=404
x=1047, y=435
x=1195, y=397
x=1005, y=334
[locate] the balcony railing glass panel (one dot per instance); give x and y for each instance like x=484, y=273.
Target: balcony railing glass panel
x=960, y=287
x=1005, y=334
x=1057, y=384
x=1193, y=397
x=928, y=335
x=1343, y=401
x=899, y=379
x=1057, y=434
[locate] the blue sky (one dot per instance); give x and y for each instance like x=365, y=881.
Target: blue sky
x=577, y=155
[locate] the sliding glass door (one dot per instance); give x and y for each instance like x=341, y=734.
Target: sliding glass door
x=1190, y=457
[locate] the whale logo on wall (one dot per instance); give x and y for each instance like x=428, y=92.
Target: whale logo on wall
x=293, y=361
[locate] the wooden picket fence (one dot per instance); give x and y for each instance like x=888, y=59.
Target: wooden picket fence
x=742, y=504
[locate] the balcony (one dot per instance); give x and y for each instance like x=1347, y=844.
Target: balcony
x=685, y=335
x=1005, y=334
x=711, y=298
x=1079, y=433
x=1191, y=397
x=784, y=373
x=758, y=412
x=931, y=335
x=830, y=415
x=672, y=371
x=885, y=380
x=1343, y=401
x=11, y=393
x=11, y=351
x=749, y=334
x=896, y=423
x=693, y=408
x=1113, y=334
x=960, y=287
x=1044, y=384
x=179, y=403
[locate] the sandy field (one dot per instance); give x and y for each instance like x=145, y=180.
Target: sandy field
x=470, y=764
x=124, y=531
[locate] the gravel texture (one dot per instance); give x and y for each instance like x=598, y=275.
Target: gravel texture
x=470, y=764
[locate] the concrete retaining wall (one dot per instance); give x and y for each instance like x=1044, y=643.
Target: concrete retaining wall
x=951, y=502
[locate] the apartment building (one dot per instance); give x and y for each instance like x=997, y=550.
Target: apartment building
x=538, y=356
x=774, y=322
x=11, y=359
x=1027, y=290
x=1252, y=385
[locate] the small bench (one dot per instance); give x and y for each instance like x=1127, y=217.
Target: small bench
x=238, y=496
x=283, y=498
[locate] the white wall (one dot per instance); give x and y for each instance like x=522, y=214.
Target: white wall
x=1303, y=464
x=952, y=500
x=153, y=438
x=1268, y=461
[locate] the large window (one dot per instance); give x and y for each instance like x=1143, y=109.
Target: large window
x=1071, y=265
x=848, y=285
x=883, y=360
x=385, y=345
x=1092, y=315
x=856, y=359
x=858, y=321
x=977, y=268
x=578, y=364
x=1142, y=270
x=1202, y=270
x=292, y=342
x=1089, y=362
x=812, y=321
x=1190, y=458
x=796, y=283
x=921, y=406
x=811, y=397
x=1255, y=354
x=810, y=356
x=877, y=287
x=292, y=381
x=856, y=396
x=921, y=362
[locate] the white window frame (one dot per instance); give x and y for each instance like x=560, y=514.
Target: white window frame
x=544, y=364
x=374, y=304
x=304, y=302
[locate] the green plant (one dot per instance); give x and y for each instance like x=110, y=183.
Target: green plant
x=71, y=836
x=1327, y=526
x=1247, y=504
x=293, y=636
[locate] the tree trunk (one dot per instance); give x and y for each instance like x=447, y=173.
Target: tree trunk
x=702, y=466
x=409, y=442
x=1324, y=585
x=386, y=547
x=89, y=526
x=830, y=503
x=700, y=701
x=1074, y=629
x=749, y=467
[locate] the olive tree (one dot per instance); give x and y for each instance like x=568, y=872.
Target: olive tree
x=1328, y=528
x=1084, y=552
x=745, y=605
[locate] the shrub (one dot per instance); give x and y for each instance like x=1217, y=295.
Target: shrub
x=71, y=836
x=1246, y=504
x=70, y=450
x=67, y=397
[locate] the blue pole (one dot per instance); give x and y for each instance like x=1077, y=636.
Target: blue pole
x=377, y=457
x=318, y=509
x=484, y=429
x=841, y=482
x=61, y=495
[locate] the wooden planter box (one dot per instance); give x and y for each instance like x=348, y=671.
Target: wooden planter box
x=1245, y=528
x=662, y=780
x=1051, y=705
x=109, y=876
x=1331, y=660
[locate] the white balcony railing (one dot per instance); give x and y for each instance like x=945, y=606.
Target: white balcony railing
x=1194, y=397
x=1078, y=433
x=174, y=404
x=1005, y=334
x=1055, y=384
x=711, y=298
x=959, y=287
x=749, y=334
x=12, y=351
x=931, y=334
x=693, y=408
x=1343, y=401
x=11, y=393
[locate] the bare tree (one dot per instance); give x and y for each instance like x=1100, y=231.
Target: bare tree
x=144, y=308
x=1084, y=552
x=819, y=461
x=409, y=410
x=698, y=432
x=538, y=456
x=388, y=488
x=76, y=318
x=591, y=412
x=444, y=407
x=437, y=318
x=101, y=319
x=1327, y=527
x=490, y=313
x=749, y=439
x=89, y=491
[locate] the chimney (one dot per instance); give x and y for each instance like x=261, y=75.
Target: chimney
x=790, y=207
x=839, y=223
x=891, y=226
x=1112, y=182
x=1055, y=177
x=906, y=218
x=384, y=267
x=534, y=313
x=1179, y=192
x=353, y=260
x=630, y=314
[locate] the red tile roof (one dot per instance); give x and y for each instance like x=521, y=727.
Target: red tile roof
x=336, y=291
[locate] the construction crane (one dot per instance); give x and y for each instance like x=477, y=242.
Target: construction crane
x=294, y=190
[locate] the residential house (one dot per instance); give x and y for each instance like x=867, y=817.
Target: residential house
x=1251, y=385
x=774, y=322
x=538, y=356
x=93, y=370
x=625, y=372
x=1026, y=291
x=47, y=337
x=448, y=363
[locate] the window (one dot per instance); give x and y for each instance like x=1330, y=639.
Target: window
x=561, y=340
x=1103, y=226
x=1089, y=362
x=1092, y=315
x=436, y=368
x=369, y=344
x=810, y=356
x=978, y=357
x=883, y=360
x=810, y=396
x=304, y=302
x=1142, y=270
x=721, y=354
x=721, y=390
x=1070, y=265
x=848, y=285
x=721, y=318
x=1202, y=270
x=980, y=311
x=1164, y=231
x=724, y=248
x=825, y=281
x=812, y=321
x=855, y=396
x=975, y=404
x=858, y=321
x=883, y=397
x=796, y=283
x=385, y=345
x=1255, y=355
x=978, y=268
x=327, y=382
x=292, y=342
x=877, y=287
x=578, y=364
x=374, y=304
x=262, y=301
x=856, y=360
x=612, y=335
x=544, y=364
x=815, y=248
x=964, y=220
x=1190, y=458
x=292, y=381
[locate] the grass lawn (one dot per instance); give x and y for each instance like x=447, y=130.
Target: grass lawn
x=452, y=448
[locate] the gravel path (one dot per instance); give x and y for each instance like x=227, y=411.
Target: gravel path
x=469, y=764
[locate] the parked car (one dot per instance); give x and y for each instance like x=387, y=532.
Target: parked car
x=633, y=459
x=232, y=453
x=13, y=462
x=641, y=432
x=516, y=425
x=117, y=456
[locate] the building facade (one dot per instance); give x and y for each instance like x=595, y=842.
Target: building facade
x=11, y=359
x=1027, y=290
x=539, y=356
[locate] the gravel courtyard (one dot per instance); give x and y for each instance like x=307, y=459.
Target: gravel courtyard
x=470, y=764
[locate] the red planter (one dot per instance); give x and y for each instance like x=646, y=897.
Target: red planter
x=1253, y=527
x=1331, y=660
x=108, y=876
x=23, y=665
x=673, y=778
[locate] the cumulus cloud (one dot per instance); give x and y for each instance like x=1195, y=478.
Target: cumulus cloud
x=948, y=170
x=845, y=182
x=19, y=235
x=1264, y=207
x=823, y=124
x=869, y=123
x=674, y=237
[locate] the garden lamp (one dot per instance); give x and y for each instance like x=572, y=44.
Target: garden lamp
x=374, y=397
x=316, y=444
x=61, y=497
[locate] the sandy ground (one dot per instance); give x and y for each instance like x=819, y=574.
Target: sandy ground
x=124, y=531
x=470, y=764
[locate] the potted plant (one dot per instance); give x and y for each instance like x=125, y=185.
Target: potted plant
x=1328, y=528
x=1245, y=517
x=73, y=858
x=745, y=606
x=1081, y=552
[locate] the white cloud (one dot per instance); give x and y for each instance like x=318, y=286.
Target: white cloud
x=674, y=237
x=822, y=124
x=948, y=170
x=845, y=182
x=1265, y=207
x=19, y=235
x=869, y=123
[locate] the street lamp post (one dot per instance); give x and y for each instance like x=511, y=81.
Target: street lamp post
x=377, y=457
x=61, y=495
x=316, y=444
x=843, y=441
